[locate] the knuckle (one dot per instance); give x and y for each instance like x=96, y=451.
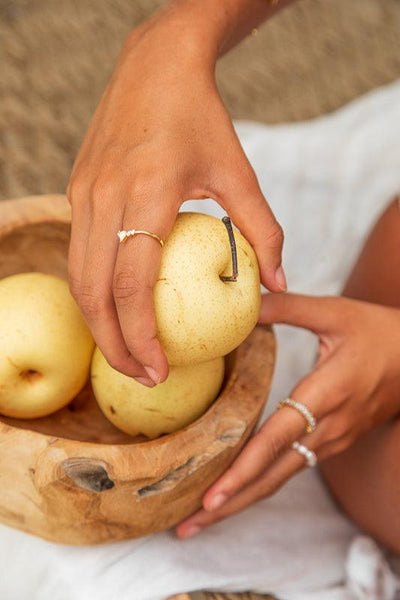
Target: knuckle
x=275, y=236
x=91, y=303
x=148, y=191
x=276, y=444
x=275, y=448
x=103, y=187
x=126, y=286
x=76, y=188
x=145, y=183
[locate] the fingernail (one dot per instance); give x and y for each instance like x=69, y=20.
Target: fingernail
x=280, y=278
x=154, y=376
x=145, y=381
x=191, y=531
x=216, y=502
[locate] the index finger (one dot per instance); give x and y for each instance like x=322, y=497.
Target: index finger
x=315, y=313
x=274, y=437
x=136, y=271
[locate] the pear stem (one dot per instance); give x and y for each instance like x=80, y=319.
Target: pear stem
x=227, y=222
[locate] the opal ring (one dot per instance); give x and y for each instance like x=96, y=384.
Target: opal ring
x=125, y=233
x=309, y=455
x=311, y=421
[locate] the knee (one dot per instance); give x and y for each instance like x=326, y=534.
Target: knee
x=364, y=481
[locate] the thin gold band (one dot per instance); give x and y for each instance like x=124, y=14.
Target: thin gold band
x=125, y=233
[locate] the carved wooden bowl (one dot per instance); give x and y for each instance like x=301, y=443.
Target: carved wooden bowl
x=72, y=477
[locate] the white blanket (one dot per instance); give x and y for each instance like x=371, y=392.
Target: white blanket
x=327, y=180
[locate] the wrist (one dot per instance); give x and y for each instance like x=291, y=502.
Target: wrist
x=220, y=25
x=182, y=29
x=198, y=32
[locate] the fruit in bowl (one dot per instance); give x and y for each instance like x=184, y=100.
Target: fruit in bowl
x=207, y=300
x=72, y=477
x=202, y=310
x=181, y=399
x=45, y=346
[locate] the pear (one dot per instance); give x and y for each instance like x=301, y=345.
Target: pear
x=182, y=398
x=45, y=345
x=199, y=315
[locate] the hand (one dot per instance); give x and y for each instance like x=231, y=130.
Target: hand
x=160, y=135
x=354, y=386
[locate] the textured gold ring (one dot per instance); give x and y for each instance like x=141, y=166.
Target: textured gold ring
x=125, y=233
x=311, y=421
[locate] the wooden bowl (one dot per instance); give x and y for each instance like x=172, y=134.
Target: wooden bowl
x=72, y=477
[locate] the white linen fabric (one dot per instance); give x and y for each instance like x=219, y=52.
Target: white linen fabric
x=327, y=181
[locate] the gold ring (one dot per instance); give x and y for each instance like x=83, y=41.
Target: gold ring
x=125, y=233
x=311, y=421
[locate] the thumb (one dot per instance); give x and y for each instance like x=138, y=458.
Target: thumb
x=309, y=312
x=256, y=221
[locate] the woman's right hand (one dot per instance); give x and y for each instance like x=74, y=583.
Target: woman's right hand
x=160, y=135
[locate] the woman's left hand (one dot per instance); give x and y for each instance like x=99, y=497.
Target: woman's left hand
x=354, y=386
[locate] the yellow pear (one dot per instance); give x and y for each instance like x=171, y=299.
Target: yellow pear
x=167, y=407
x=45, y=345
x=199, y=316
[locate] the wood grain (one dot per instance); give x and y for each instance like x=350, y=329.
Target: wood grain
x=74, y=478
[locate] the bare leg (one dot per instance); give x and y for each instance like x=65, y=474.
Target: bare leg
x=365, y=479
